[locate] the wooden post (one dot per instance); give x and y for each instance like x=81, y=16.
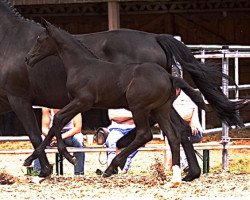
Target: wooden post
x=113, y=14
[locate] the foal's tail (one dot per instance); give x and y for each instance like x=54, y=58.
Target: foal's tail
x=206, y=78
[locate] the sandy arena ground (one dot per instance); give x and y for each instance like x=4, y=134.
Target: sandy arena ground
x=144, y=181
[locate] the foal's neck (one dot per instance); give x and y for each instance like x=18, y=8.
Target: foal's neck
x=72, y=52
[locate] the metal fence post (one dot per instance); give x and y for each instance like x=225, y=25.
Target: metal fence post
x=225, y=137
x=205, y=161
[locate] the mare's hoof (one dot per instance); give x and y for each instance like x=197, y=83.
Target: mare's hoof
x=27, y=163
x=191, y=176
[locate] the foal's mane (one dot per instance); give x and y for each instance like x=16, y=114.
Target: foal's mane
x=81, y=43
x=88, y=49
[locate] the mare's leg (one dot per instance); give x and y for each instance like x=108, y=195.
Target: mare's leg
x=185, y=132
x=143, y=135
x=26, y=115
x=60, y=120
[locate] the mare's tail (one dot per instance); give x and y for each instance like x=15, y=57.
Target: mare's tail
x=206, y=78
x=195, y=96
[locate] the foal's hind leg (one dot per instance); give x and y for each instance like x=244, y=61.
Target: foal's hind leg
x=185, y=132
x=125, y=140
x=162, y=117
x=142, y=136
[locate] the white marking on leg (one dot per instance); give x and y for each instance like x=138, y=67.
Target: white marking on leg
x=176, y=178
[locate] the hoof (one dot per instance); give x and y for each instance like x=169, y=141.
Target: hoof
x=172, y=185
x=99, y=172
x=46, y=173
x=37, y=180
x=106, y=175
x=176, y=179
x=27, y=163
x=73, y=161
x=191, y=176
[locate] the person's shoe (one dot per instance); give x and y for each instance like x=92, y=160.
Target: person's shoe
x=79, y=174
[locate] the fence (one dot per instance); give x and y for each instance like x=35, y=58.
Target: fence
x=224, y=53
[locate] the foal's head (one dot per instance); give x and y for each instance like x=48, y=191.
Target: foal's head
x=44, y=46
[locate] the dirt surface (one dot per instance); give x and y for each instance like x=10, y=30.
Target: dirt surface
x=218, y=186
x=147, y=178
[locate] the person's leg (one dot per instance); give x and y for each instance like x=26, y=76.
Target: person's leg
x=193, y=139
x=37, y=165
x=128, y=162
x=168, y=156
x=111, y=140
x=183, y=161
x=77, y=141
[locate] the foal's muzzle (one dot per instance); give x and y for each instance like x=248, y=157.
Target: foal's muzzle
x=27, y=61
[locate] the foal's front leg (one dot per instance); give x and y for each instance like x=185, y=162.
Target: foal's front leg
x=39, y=149
x=60, y=120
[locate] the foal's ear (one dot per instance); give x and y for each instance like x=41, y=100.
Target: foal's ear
x=45, y=23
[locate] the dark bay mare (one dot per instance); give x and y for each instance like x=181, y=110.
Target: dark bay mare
x=146, y=89
x=45, y=84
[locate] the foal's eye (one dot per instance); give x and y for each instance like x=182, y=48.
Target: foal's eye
x=38, y=38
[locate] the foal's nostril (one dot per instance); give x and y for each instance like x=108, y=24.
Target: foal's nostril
x=26, y=60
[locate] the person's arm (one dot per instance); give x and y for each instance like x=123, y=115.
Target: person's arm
x=77, y=122
x=195, y=122
x=46, y=117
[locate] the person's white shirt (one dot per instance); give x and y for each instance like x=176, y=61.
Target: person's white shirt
x=188, y=110
x=121, y=118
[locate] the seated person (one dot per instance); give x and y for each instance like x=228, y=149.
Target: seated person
x=189, y=112
x=71, y=135
x=121, y=123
